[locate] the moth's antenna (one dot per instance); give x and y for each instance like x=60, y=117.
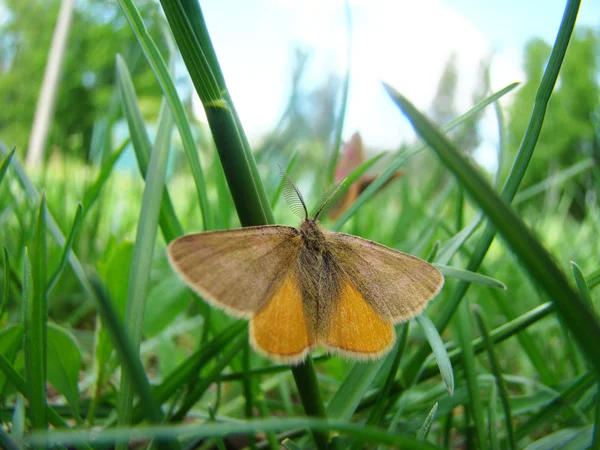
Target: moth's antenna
x=329, y=198
x=292, y=195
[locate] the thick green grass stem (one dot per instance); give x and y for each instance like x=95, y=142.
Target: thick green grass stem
x=249, y=195
x=308, y=389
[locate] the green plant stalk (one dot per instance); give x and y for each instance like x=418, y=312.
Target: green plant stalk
x=201, y=387
x=142, y=257
x=339, y=126
x=190, y=32
x=35, y=320
x=129, y=357
x=497, y=371
x=249, y=195
x=575, y=390
x=468, y=355
x=516, y=174
x=169, y=225
x=207, y=430
x=93, y=192
x=6, y=286
x=5, y=163
x=424, y=430
x=577, y=315
x=20, y=385
x=248, y=392
x=66, y=249
x=379, y=408
x=308, y=389
x=161, y=71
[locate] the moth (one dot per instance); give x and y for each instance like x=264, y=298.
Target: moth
x=307, y=287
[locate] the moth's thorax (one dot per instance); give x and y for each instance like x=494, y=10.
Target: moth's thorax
x=312, y=235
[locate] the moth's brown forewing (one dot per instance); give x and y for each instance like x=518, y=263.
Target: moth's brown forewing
x=236, y=270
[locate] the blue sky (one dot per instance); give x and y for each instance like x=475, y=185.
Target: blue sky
x=403, y=43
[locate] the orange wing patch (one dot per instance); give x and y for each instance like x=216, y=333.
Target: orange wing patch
x=356, y=329
x=278, y=330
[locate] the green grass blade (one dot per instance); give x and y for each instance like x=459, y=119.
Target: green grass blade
x=564, y=400
x=356, y=383
x=596, y=435
x=554, y=180
x=64, y=364
x=35, y=316
x=6, y=285
x=577, y=315
x=339, y=125
x=143, y=254
x=129, y=357
x=475, y=405
x=424, y=430
x=378, y=409
x=66, y=249
x=497, y=371
x=21, y=385
x=93, y=192
x=516, y=174
x=167, y=85
x=252, y=205
x=493, y=419
x=205, y=430
x=450, y=248
x=310, y=395
x=53, y=227
x=471, y=277
x=405, y=155
x=568, y=438
x=6, y=442
x=169, y=225
x=190, y=32
x=202, y=386
x=439, y=351
x=5, y=163
x=582, y=286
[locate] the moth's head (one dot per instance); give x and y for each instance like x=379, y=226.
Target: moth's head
x=297, y=204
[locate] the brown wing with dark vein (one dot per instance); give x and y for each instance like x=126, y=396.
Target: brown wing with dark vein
x=236, y=269
x=398, y=286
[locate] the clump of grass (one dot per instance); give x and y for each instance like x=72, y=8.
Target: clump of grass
x=90, y=305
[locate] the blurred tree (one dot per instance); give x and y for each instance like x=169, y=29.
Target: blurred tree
x=99, y=32
x=443, y=107
x=571, y=130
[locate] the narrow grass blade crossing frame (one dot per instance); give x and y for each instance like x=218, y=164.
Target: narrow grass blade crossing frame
x=578, y=316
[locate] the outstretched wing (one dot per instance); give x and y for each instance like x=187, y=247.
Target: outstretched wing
x=396, y=285
x=236, y=270
x=354, y=327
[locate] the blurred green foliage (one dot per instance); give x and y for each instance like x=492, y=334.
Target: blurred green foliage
x=571, y=130
x=98, y=33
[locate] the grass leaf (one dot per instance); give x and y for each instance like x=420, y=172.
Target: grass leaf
x=424, y=430
x=576, y=314
x=471, y=277
x=439, y=351
x=64, y=363
x=497, y=371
